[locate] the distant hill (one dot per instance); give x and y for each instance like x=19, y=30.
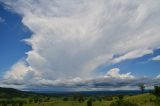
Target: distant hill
x=11, y=92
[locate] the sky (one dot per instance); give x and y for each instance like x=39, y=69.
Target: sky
x=79, y=45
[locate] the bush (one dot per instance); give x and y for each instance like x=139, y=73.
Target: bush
x=157, y=90
x=30, y=101
x=157, y=101
x=65, y=99
x=123, y=103
x=99, y=99
x=108, y=98
x=13, y=104
x=21, y=104
x=78, y=97
x=89, y=103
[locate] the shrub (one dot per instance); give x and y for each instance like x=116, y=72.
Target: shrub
x=4, y=104
x=20, y=103
x=30, y=101
x=157, y=90
x=123, y=103
x=108, y=98
x=65, y=99
x=120, y=97
x=13, y=104
x=89, y=103
x=78, y=97
x=157, y=101
x=99, y=99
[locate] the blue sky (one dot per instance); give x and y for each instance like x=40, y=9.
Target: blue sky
x=73, y=44
x=140, y=67
x=12, y=33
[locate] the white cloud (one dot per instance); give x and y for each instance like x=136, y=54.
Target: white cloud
x=114, y=73
x=20, y=73
x=2, y=20
x=17, y=72
x=72, y=38
x=113, y=80
x=158, y=77
x=132, y=55
x=157, y=58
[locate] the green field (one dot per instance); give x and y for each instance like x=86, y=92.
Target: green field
x=146, y=99
x=13, y=97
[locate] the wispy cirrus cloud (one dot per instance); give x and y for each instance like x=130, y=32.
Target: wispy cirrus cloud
x=72, y=38
x=157, y=58
x=2, y=20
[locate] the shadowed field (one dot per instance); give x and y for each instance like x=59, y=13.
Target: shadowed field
x=13, y=97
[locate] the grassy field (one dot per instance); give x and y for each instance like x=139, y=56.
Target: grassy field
x=146, y=99
x=13, y=97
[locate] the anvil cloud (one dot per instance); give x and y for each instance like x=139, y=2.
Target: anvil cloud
x=72, y=38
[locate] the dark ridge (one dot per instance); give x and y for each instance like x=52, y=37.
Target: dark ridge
x=92, y=93
x=11, y=92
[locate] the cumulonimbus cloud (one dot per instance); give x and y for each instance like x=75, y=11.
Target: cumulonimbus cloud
x=72, y=38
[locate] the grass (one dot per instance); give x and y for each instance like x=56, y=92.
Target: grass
x=146, y=99
x=143, y=99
